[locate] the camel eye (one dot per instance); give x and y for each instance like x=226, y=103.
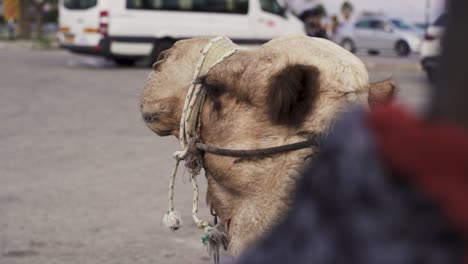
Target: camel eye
x=214, y=90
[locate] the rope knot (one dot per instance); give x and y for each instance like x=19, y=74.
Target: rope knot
x=215, y=239
x=172, y=220
x=180, y=155
x=193, y=158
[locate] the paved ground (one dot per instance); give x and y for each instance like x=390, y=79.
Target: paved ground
x=81, y=178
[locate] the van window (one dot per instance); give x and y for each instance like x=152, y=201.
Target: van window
x=79, y=4
x=215, y=6
x=271, y=6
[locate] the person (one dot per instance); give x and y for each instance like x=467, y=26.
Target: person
x=335, y=23
x=313, y=23
x=378, y=196
x=11, y=26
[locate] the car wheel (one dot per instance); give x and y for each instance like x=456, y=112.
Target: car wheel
x=373, y=52
x=348, y=45
x=124, y=61
x=402, y=49
x=159, y=47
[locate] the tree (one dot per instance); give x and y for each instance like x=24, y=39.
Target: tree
x=25, y=16
x=347, y=10
x=39, y=15
x=24, y=23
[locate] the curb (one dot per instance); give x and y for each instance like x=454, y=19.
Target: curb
x=393, y=66
x=18, y=45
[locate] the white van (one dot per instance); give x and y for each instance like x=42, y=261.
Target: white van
x=127, y=30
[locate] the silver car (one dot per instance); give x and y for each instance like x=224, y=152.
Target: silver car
x=378, y=33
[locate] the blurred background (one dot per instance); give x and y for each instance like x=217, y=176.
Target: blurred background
x=82, y=180
x=124, y=32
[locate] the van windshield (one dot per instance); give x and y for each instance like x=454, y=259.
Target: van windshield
x=79, y=4
x=271, y=6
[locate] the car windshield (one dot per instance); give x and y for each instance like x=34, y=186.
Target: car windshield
x=400, y=24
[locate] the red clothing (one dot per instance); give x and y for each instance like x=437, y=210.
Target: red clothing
x=432, y=155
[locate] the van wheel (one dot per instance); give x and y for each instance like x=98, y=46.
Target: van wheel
x=402, y=48
x=431, y=75
x=373, y=52
x=124, y=61
x=348, y=45
x=159, y=47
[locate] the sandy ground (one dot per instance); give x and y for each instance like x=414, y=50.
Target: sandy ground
x=82, y=180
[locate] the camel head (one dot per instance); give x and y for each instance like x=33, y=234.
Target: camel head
x=288, y=90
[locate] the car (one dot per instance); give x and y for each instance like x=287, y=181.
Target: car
x=430, y=49
x=380, y=33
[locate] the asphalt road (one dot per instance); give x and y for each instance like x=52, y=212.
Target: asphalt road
x=82, y=180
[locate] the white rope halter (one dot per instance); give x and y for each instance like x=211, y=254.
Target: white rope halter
x=217, y=50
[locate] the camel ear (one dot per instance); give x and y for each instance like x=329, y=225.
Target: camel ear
x=382, y=92
x=291, y=92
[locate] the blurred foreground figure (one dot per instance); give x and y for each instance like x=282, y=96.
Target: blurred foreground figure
x=395, y=193
x=387, y=187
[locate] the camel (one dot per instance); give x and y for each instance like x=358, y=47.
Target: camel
x=288, y=90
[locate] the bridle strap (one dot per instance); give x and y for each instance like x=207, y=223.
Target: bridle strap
x=257, y=152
